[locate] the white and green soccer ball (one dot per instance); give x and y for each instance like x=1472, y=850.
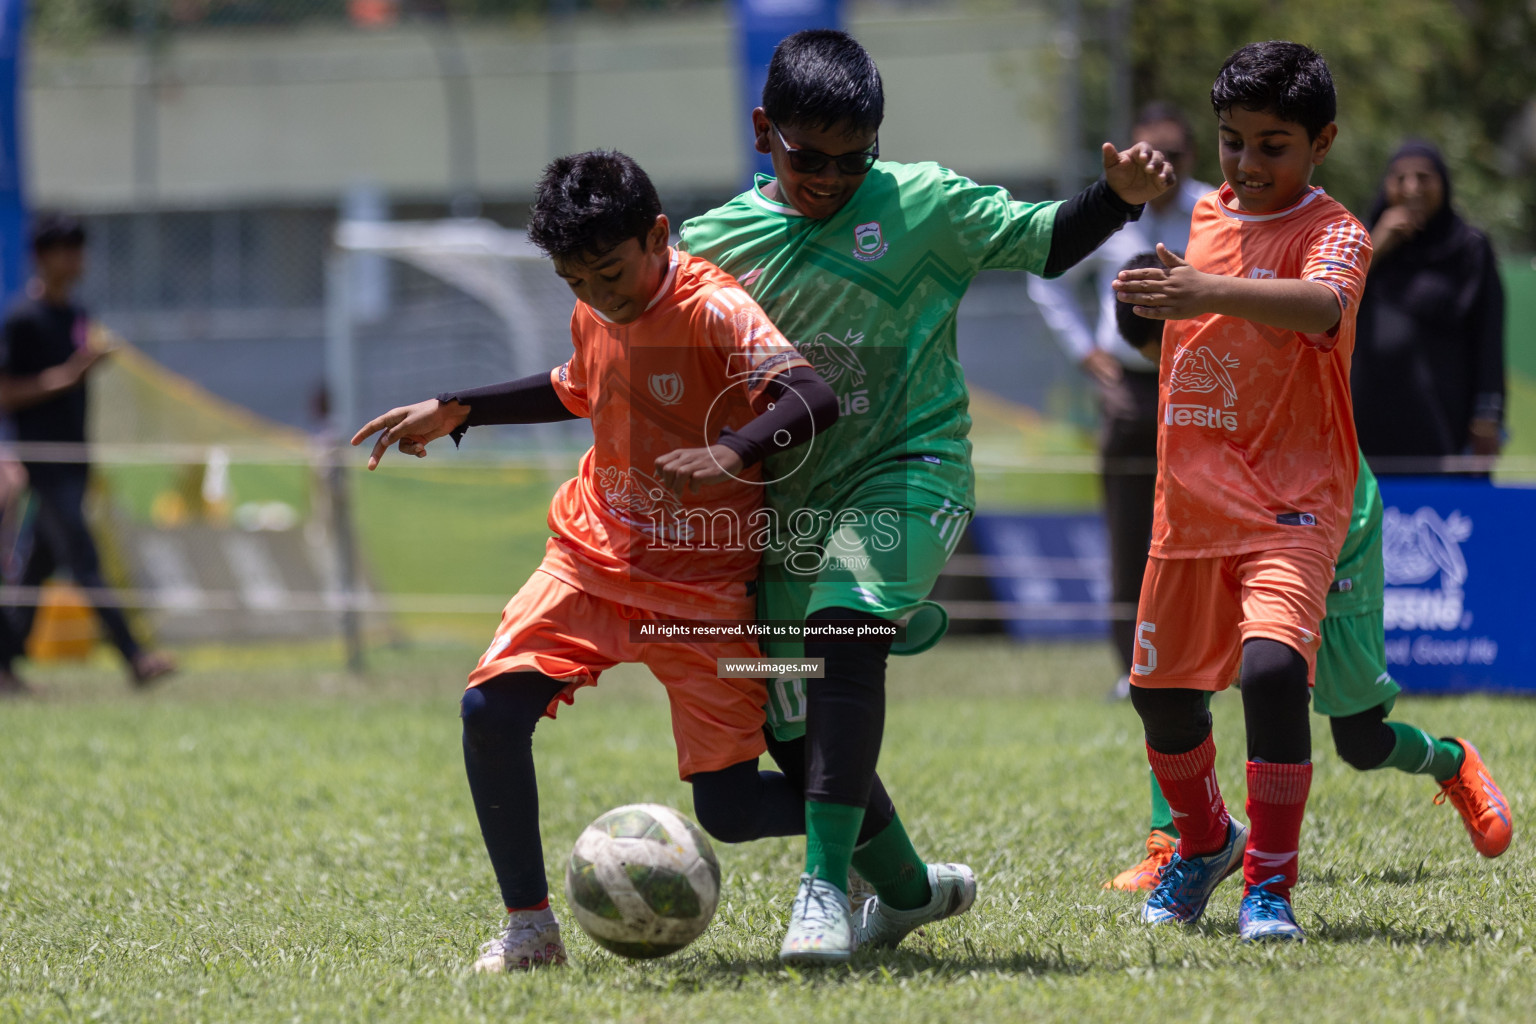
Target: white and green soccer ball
x=643, y=881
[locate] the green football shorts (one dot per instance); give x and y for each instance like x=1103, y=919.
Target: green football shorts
x=882, y=554
x=1352, y=671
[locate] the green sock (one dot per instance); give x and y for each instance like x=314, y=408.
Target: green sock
x=890, y=864
x=1418, y=753
x=831, y=830
x=1162, y=814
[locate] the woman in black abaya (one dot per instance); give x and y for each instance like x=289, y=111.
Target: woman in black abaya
x=1428, y=376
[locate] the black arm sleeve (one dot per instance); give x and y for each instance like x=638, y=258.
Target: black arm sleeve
x=810, y=409
x=1083, y=222
x=529, y=399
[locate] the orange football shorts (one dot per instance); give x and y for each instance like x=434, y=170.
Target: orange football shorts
x=1195, y=614
x=560, y=631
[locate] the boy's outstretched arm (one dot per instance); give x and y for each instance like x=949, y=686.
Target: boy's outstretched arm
x=531, y=399
x=802, y=406
x=1179, y=292
x=1131, y=178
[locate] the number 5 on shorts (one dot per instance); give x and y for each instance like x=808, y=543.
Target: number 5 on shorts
x=1142, y=629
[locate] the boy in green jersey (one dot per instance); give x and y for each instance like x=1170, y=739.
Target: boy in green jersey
x=1353, y=686
x=862, y=264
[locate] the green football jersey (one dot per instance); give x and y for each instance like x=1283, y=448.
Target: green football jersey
x=1360, y=558
x=869, y=297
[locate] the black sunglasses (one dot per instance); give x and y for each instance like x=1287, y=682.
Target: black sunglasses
x=809, y=161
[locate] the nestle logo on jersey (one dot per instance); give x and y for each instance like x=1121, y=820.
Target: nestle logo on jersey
x=1199, y=416
x=1202, y=371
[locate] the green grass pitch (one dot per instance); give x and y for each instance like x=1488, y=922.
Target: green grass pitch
x=269, y=840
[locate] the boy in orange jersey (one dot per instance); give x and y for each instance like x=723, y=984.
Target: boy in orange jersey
x=688, y=386
x=1256, y=474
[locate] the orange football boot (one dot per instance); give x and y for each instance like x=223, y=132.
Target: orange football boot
x=1160, y=849
x=1483, y=808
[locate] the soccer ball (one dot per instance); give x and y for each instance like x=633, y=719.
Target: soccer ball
x=642, y=881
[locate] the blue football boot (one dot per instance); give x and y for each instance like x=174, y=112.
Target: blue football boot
x=1187, y=883
x=1265, y=915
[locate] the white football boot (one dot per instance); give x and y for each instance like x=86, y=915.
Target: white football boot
x=820, y=925
x=532, y=939
x=952, y=891
x=859, y=890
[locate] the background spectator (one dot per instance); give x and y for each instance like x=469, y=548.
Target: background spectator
x=1127, y=380
x=46, y=359
x=1428, y=375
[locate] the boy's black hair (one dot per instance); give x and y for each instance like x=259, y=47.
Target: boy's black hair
x=1288, y=80
x=57, y=231
x=1138, y=331
x=589, y=203
x=821, y=78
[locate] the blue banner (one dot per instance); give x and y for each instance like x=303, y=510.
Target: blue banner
x=760, y=25
x=1054, y=570
x=1459, y=557
x=13, y=210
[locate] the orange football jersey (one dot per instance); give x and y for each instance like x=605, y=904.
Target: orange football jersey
x=1256, y=441
x=695, y=361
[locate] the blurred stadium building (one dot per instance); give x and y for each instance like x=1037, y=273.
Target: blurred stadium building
x=213, y=148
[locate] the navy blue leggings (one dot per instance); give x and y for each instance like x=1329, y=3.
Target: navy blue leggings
x=63, y=540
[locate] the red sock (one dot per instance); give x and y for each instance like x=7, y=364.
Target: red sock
x=543, y=904
x=1189, y=783
x=1277, y=799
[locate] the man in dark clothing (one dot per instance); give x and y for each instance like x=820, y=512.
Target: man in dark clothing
x=45, y=361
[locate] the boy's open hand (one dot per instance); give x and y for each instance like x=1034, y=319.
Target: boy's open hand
x=413, y=426
x=1137, y=174
x=692, y=468
x=1176, y=292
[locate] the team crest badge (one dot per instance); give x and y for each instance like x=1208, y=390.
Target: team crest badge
x=868, y=244
x=667, y=388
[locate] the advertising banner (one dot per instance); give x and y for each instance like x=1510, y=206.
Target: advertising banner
x=13, y=213
x=760, y=24
x=1459, y=557
x=1053, y=569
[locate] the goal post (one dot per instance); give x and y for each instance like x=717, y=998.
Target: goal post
x=414, y=308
